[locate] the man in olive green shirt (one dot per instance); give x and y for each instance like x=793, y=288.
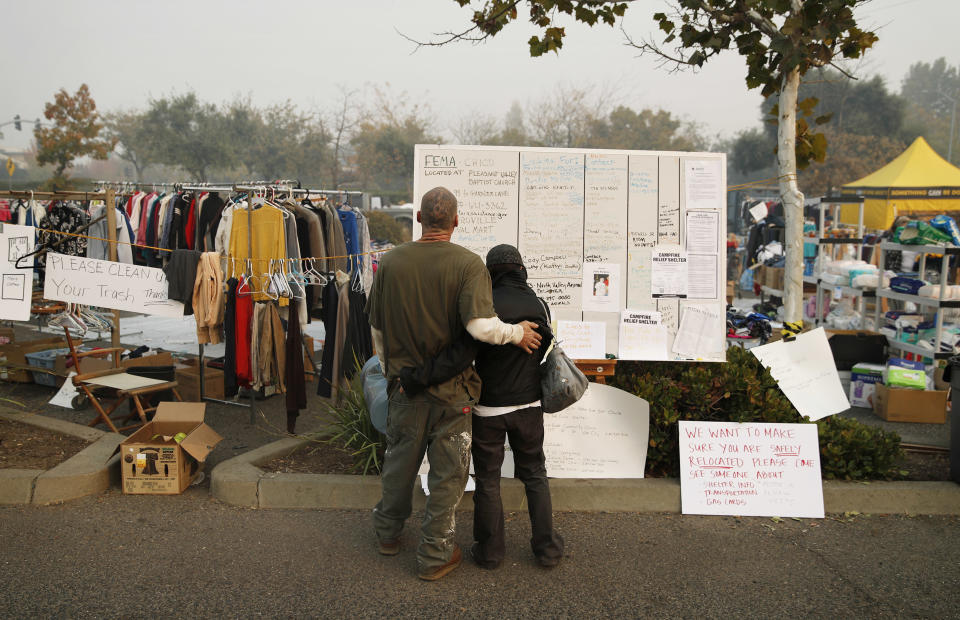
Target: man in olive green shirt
x=427, y=294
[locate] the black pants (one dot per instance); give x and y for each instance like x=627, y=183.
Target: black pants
x=524, y=428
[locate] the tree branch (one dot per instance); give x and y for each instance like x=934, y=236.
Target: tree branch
x=842, y=70
x=450, y=37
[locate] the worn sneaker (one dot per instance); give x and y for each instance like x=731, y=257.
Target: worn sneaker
x=389, y=547
x=446, y=568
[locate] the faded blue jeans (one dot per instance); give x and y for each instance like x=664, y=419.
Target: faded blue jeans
x=414, y=426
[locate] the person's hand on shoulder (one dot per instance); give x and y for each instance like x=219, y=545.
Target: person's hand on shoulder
x=531, y=339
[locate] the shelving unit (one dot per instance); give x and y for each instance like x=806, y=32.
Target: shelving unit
x=927, y=302
x=830, y=242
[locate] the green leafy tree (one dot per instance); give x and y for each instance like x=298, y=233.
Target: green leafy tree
x=753, y=150
x=190, y=134
x=129, y=131
x=932, y=92
x=74, y=132
x=383, y=227
x=780, y=41
x=647, y=129
x=384, y=144
x=864, y=107
x=852, y=156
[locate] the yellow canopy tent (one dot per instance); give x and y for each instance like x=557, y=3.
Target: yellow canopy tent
x=917, y=181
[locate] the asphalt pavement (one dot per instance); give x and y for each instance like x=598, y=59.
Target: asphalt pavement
x=132, y=556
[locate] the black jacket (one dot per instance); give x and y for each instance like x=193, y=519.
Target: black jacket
x=510, y=375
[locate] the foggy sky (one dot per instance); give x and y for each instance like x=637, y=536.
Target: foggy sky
x=130, y=50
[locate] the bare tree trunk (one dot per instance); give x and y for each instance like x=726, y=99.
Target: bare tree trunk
x=791, y=197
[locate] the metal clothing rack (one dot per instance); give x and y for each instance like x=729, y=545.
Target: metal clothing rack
x=282, y=187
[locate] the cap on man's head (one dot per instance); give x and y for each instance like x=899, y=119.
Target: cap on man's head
x=504, y=254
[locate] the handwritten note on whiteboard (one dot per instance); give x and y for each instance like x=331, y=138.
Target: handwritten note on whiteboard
x=750, y=469
x=806, y=373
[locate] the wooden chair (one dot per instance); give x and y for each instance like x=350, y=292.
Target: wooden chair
x=121, y=386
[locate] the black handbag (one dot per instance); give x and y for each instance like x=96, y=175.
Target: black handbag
x=561, y=382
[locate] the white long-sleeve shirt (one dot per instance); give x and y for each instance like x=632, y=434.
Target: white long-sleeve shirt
x=491, y=330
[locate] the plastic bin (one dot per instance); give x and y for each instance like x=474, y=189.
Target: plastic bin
x=45, y=359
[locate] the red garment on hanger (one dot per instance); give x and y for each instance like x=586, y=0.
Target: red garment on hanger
x=244, y=327
x=191, y=222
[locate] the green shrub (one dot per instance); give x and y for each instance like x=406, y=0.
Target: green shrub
x=742, y=390
x=352, y=429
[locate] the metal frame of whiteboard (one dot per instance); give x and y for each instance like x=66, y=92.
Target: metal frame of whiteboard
x=660, y=178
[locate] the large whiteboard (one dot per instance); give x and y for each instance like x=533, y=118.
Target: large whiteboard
x=563, y=208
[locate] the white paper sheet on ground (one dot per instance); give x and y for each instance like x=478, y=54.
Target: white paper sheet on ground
x=15, y=284
x=642, y=336
x=668, y=271
x=64, y=396
x=701, y=331
x=471, y=484
x=584, y=340
x=806, y=373
x=702, y=182
x=750, y=469
x=601, y=287
x=703, y=232
x=124, y=381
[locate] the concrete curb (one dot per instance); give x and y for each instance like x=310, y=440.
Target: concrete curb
x=85, y=473
x=240, y=482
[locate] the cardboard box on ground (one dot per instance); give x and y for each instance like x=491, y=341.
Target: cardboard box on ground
x=905, y=405
x=188, y=381
x=188, y=376
x=152, y=461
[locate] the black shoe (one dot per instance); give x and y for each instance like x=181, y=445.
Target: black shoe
x=548, y=562
x=389, y=547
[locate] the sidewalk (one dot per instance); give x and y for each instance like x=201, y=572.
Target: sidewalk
x=116, y=555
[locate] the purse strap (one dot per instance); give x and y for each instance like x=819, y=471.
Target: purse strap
x=546, y=310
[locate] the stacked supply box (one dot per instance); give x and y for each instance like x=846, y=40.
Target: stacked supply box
x=864, y=378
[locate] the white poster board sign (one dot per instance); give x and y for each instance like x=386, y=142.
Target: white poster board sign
x=806, y=373
x=106, y=284
x=574, y=213
x=16, y=284
x=750, y=469
x=603, y=435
